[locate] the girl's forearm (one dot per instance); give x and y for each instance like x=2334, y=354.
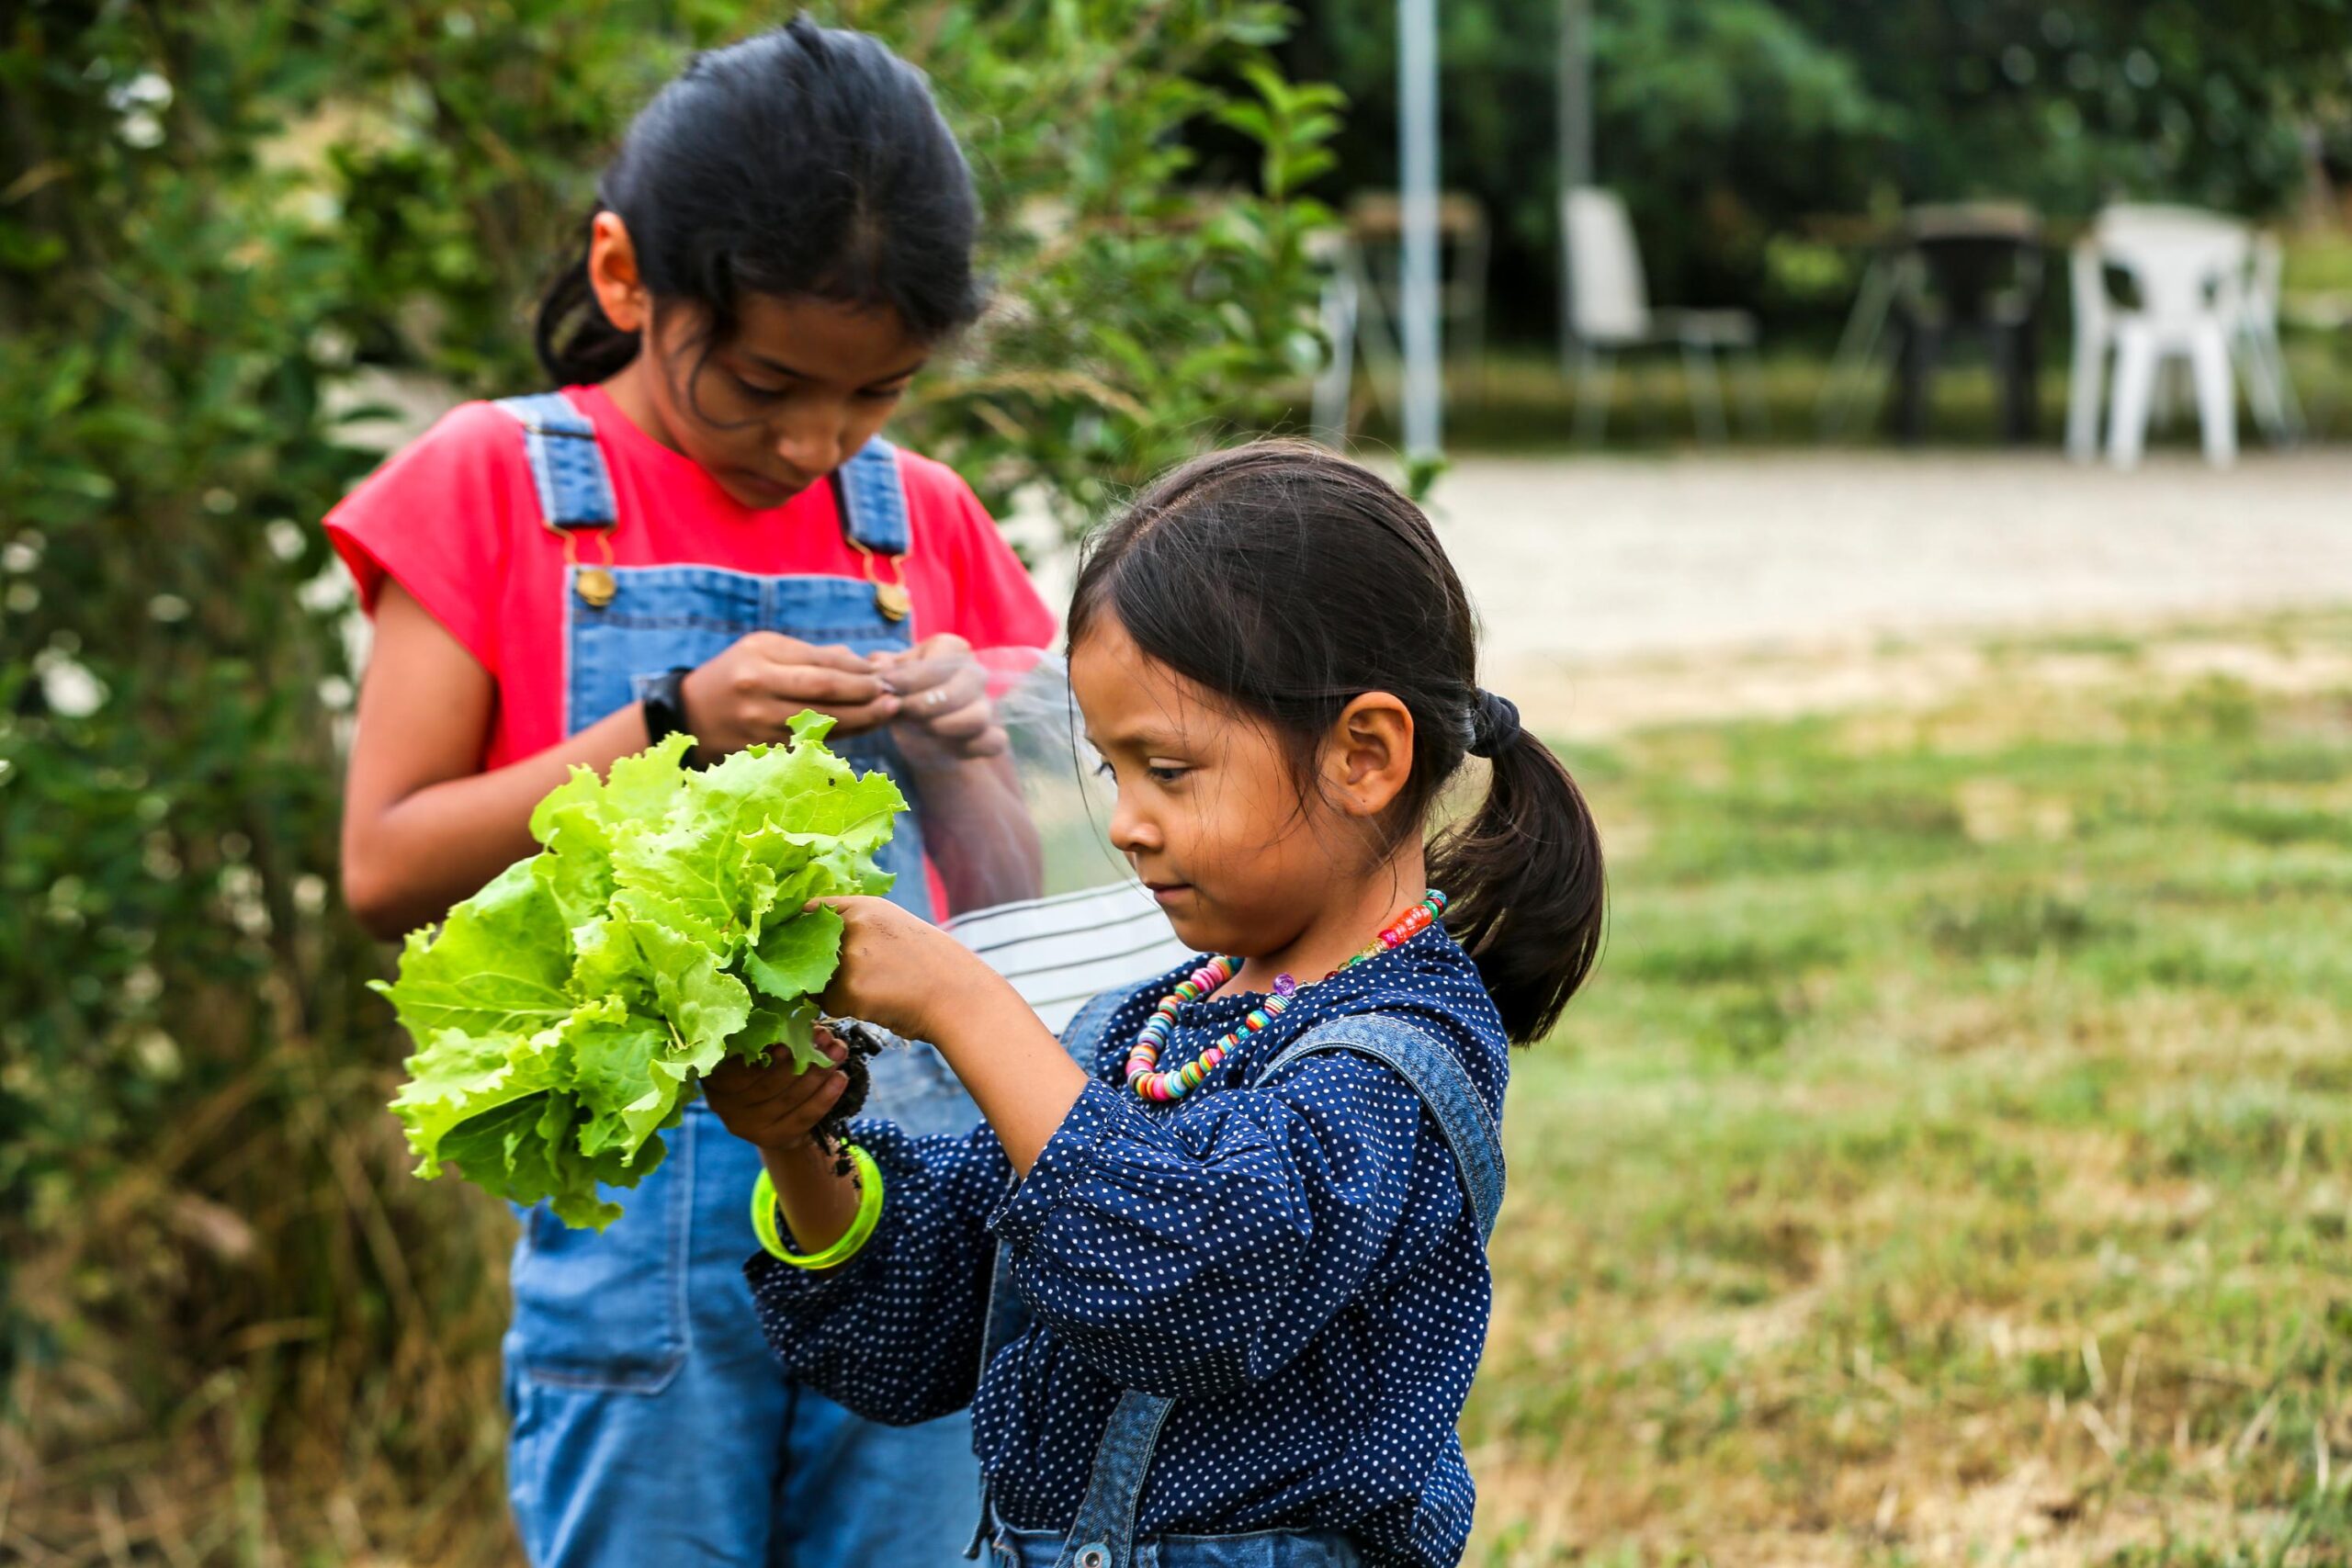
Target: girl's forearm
x=978, y=832
x=818, y=1204
x=405, y=864
x=1023, y=1079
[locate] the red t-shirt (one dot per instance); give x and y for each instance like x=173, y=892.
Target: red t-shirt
x=454, y=519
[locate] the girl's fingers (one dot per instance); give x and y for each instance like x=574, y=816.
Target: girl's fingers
x=790, y=651
x=963, y=722
x=804, y=685
x=819, y=1100
x=773, y=719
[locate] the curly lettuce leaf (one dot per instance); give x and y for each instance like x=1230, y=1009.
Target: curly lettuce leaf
x=563, y=1014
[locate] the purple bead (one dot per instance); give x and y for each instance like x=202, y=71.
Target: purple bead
x=1284, y=985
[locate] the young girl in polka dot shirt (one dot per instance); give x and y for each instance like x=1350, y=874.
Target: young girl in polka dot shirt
x=1213, y=1276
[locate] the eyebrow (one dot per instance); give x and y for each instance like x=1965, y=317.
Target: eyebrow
x=779, y=368
x=1141, y=740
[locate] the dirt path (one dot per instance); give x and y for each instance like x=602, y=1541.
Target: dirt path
x=1619, y=591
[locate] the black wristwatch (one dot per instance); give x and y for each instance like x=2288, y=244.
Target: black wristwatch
x=665, y=705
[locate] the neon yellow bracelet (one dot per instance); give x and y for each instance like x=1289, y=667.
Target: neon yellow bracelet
x=869, y=1214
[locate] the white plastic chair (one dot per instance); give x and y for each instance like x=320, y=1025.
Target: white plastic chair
x=2191, y=270
x=1610, y=312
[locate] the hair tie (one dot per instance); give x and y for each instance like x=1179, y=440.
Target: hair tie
x=1494, y=724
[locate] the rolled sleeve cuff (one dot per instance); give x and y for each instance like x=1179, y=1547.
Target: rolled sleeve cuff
x=1068, y=1159
x=806, y=1296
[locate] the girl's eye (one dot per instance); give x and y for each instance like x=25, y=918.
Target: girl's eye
x=1158, y=774
x=753, y=389
x=883, y=394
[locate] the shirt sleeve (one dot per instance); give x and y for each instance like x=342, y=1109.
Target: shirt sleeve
x=996, y=604
x=894, y=1334
x=436, y=520
x=1201, y=1257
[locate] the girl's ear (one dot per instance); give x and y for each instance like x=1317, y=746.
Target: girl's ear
x=1368, y=755
x=611, y=273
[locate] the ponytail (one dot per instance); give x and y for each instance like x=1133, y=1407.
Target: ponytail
x=1526, y=885
x=577, y=344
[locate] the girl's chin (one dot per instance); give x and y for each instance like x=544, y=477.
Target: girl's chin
x=1184, y=918
x=1200, y=933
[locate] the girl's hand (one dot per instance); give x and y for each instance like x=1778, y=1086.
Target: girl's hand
x=774, y=1107
x=897, y=970
x=944, y=714
x=751, y=692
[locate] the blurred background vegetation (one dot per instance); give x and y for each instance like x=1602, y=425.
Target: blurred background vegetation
x=1748, y=136
x=1766, y=147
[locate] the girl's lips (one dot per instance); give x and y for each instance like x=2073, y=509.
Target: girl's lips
x=1168, y=892
x=771, y=492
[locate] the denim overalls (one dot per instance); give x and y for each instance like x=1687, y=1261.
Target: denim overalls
x=1103, y=1534
x=652, y=1425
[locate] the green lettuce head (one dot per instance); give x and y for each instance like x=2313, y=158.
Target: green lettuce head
x=563, y=1014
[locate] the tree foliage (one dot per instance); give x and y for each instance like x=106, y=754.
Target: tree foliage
x=1729, y=123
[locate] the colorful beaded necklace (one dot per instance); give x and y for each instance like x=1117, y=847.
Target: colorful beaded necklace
x=1143, y=1057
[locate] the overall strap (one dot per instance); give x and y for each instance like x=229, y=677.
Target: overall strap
x=1438, y=1076
x=872, y=498
x=1103, y=1534
x=567, y=464
x=1008, y=1317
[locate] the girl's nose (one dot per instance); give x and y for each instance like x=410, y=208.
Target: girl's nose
x=814, y=442
x=1132, y=832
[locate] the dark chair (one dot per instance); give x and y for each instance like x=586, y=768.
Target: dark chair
x=1967, y=270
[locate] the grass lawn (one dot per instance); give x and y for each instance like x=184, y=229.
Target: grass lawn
x=1950, y=1164
x=1952, y=1160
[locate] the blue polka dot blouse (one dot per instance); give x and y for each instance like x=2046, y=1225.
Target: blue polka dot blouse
x=1296, y=1265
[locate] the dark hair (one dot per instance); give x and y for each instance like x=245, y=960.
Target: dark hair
x=1290, y=582
x=806, y=163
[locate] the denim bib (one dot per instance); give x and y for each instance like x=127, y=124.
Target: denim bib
x=619, y=1309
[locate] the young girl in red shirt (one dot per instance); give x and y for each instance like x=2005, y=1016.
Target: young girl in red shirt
x=702, y=531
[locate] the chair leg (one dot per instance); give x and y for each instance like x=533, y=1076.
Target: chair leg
x=2261, y=391
x=1596, y=377
x=2216, y=405
x=1915, y=368
x=2267, y=389
x=2135, y=385
x=2025, y=380
x=1751, y=368
x=1707, y=409
x=2289, y=404
x=2083, y=386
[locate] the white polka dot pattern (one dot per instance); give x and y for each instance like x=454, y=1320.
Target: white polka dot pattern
x=1295, y=1263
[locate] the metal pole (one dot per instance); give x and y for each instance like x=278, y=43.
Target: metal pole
x=1572, y=93
x=1575, y=93
x=1416, y=133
